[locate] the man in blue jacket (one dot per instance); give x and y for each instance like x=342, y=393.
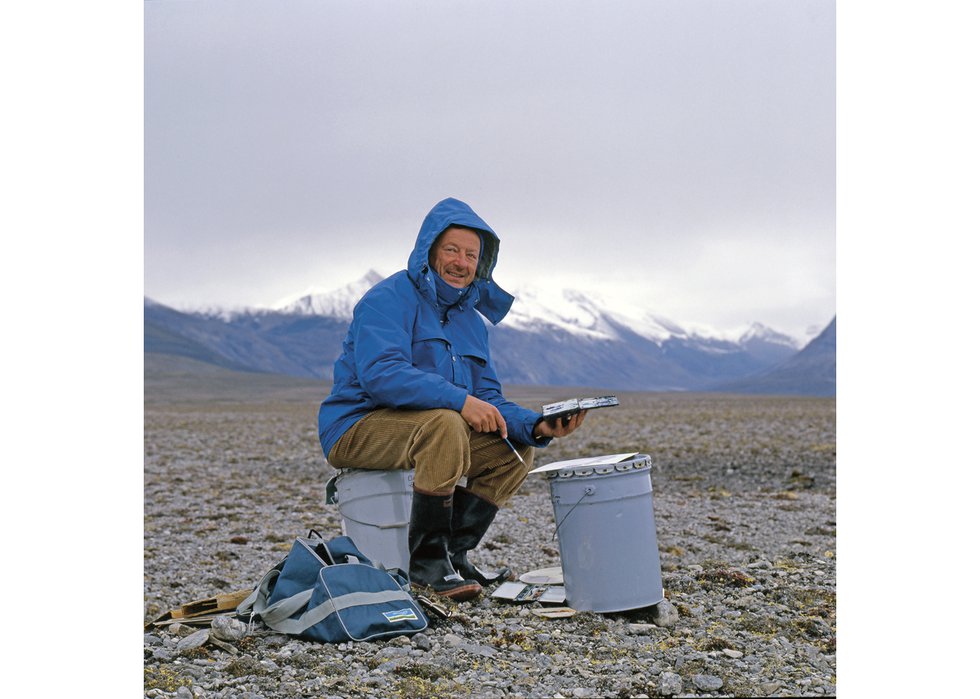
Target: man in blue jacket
x=415, y=387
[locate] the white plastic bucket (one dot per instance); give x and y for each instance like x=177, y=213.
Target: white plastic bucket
x=375, y=507
x=607, y=535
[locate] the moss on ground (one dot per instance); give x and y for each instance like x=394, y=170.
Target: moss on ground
x=165, y=678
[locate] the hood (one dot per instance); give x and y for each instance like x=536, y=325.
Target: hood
x=489, y=299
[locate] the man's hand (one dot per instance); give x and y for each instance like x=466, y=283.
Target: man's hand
x=559, y=429
x=483, y=417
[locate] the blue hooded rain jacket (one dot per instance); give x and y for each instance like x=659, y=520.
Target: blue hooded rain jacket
x=401, y=353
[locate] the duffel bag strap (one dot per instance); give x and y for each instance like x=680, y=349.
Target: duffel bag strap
x=398, y=575
x=257, y=603
x=260, y=595
x=314, y=616
x=343, y=548
x=282, y=609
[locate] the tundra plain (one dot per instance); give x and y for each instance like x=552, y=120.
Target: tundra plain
x=744, y=492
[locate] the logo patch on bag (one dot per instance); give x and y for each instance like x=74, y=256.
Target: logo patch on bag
x=407, y=614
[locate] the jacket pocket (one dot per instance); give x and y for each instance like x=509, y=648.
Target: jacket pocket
x=433, y=354
x=475, y=360
x=473, y=364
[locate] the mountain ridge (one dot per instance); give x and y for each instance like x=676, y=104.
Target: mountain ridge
x=563, y=308
x=554, y=337
x=811, y=371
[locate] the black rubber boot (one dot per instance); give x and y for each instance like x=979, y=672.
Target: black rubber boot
x=472, y=516
x=428, y=548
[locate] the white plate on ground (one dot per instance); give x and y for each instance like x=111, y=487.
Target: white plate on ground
x=544, y=576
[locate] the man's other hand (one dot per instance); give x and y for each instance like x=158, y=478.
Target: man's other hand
x=560, y=428
x=483, y=417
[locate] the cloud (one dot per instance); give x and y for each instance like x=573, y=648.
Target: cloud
x=287, y=144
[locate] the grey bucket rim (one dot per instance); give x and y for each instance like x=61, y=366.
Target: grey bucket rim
x=637, y=463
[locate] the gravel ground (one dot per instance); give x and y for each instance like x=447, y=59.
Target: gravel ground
x=744, y=493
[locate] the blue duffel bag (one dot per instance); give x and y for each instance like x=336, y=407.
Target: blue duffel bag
x=329, y=591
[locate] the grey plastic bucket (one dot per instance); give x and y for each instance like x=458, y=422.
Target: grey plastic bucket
x=607, y=535
x=375, y=507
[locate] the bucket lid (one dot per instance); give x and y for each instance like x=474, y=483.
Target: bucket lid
x=544, y=576
x=639, y=461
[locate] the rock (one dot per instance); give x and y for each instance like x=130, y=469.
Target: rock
x=707, y=683
x=732, y=653
x=422, y=642
x=809, y=652
x=184, y=693
x=477, y=649
x=389, y=651
x=640, y=629
x=680, y=582
x=452, y=640
x=227, y=628
x=582, y=692
x=163, y=654
x=664, y=614
x=218, y=643
x=670, y=684
x=276, y=640
x=194, y=671
x=195, y=640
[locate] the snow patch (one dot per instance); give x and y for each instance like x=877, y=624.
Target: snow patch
x=335, y=303
x=578, y=312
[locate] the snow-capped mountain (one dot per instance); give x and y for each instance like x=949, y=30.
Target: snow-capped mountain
x=600, y=345
x=812, y=371
x=582, y=314
x=334, y=303
x=757, y=332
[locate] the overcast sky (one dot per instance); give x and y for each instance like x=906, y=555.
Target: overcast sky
x=680, y=154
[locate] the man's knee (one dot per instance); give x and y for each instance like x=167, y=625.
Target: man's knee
x=440, y=451
x=446, y=424
x=442, y=438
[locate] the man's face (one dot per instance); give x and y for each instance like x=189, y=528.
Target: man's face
x=454, y=256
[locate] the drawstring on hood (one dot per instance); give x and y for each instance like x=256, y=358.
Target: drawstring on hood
x=490, y=300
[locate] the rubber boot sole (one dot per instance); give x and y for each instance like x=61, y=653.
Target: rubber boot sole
x=470, y=572
x=503, y=576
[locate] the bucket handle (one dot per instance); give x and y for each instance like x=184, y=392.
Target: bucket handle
x=589, y=490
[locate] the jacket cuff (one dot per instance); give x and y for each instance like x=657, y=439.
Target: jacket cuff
x=458, y=399
x=528, y=436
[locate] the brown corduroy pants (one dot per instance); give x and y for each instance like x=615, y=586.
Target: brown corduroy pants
x=440, y=446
